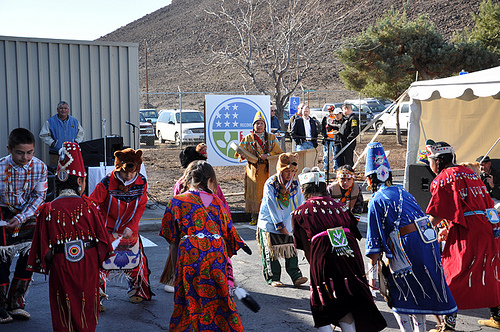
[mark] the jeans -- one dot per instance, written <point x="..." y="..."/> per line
<point x="305" y="146"/>
<point x="334" y="149"/>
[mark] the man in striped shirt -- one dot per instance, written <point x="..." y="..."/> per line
<point x="23" y="185"/>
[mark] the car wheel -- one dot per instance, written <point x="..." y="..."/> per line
<point x="379" y="126"/>
<point x="160" y="137"/>
<point x="177" y="139"/>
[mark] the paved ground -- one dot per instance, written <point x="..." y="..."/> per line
<point x="282" y="309"/>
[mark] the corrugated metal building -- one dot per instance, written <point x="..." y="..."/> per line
<point x="99" y="80"/>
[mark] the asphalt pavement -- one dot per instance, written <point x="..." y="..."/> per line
<point x="282" y="309"/>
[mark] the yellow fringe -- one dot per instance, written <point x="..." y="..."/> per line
<point x="82" y="316"/>
<point x="97" y="302"/>
<point x="62" y="316"/>
<point x="68" y="304"/>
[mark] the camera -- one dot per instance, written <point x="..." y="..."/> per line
<point x="485" y="176"/>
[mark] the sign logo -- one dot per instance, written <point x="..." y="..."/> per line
<point x="294" y="105"/>
<point x="229" y="122"/>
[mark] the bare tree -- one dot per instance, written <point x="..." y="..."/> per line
<point x="274" y="42"/>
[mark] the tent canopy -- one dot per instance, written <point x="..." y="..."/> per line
<point x="463" y="111"/>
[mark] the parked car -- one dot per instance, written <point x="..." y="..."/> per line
<point x="147" y="134"/>
<point x="387" y="123"/>
<point x="168" y="126"/>
<point x="151" y="116"/>
<point x="384" y="101"/>
<point x="374" y="104"/>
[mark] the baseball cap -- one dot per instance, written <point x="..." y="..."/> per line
<point x="485" y="160"/>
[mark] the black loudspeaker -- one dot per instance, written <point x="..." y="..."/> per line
<point x="51" y="181"/>
<point x="93" y="151"/>
<point x="420" y="177"/>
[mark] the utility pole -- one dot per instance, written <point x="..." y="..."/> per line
<point x="146" y="51"/>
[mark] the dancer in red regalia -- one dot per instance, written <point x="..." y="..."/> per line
<point x="71" y="242"/>
<point x="122" y="197"/>
<point x="464" y="212"/>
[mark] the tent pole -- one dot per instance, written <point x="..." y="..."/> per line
<point x="487" y="153"/>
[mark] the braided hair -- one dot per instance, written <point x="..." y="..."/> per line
<point x="197" y="174"/>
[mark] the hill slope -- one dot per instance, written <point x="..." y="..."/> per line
<point x="180" y="37"/>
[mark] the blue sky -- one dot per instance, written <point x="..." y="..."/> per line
<point x="71" y="19"/>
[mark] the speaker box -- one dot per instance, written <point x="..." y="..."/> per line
<point x="420" y="177"/>
<point x="50" y="195"/>
<point x="93" y="151"/>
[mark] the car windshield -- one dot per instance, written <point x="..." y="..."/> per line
<point x="190" y="117"/>
<point x="142" y="118"/>
<point x="149" y="114"/>
<point x="376" y="107"/>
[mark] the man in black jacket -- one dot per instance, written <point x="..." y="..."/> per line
<point x="349" y="130"/>
<point x="305" y="131"/>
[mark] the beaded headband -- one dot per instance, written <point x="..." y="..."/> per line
<point x="433" y="151"/>
<point x="345" y="174"/>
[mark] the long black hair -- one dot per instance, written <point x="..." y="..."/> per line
<point x="70" y="183"/>
<point x="197" y="174"/>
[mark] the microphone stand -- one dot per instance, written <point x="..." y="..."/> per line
<point x="133" y="130"/>
<point x="105" y="150"/>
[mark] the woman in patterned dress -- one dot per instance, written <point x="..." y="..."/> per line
<point x="202" y="238"/>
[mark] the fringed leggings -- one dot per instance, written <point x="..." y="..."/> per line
<point x="411" y="323"/>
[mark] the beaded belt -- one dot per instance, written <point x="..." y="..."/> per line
<point x="201" y="236"/>
<point x="471" y="213"/>
<point x="59" y="248"/>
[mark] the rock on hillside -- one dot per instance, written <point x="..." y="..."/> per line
<point x="180" y="37"/>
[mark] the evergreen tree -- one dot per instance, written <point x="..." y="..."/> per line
<point x="487" y="28"/>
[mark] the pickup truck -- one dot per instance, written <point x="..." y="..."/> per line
<point x="366" y="113"/>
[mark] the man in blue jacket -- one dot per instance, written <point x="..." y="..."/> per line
<point x="60" y="128"/>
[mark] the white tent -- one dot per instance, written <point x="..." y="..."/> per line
<point x="463" y="111"/>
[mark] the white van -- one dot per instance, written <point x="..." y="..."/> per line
<point x="387" y="123"/>
<point x="168" y="126"/>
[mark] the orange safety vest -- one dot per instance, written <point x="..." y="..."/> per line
<point x="330" y="133"/>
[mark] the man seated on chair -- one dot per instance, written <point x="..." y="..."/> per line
<point x="348" y="191"/>
<point x="491" y="179"/>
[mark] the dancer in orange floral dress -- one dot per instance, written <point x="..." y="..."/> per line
<point x="202" y="238"/>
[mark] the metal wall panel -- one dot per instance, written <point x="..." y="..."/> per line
<point x="99" y="80"/>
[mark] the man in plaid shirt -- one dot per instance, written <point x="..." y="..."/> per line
<point x="23" y="185"/>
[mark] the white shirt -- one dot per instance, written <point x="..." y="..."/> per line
<point x="307" y="127"/>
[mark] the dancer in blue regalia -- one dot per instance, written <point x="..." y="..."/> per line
<point x="398" y="227"/>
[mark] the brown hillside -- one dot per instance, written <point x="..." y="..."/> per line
<point x="180" y="37"/>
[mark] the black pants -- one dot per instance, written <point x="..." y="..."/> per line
<point x="348" y="154"/>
